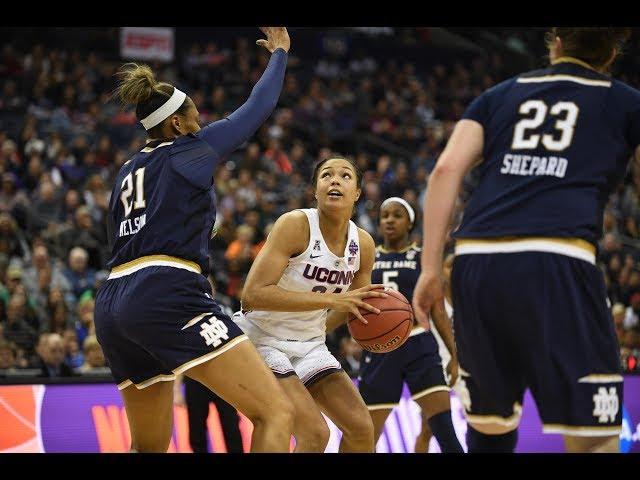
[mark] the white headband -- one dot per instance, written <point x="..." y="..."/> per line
<point x="167" y="108"/>
<point x="404" y="203"/>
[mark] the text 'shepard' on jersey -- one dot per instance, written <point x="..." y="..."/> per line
<point x="557" y="142"/>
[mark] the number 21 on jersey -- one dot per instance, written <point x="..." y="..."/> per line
<point x="128" y="191"/>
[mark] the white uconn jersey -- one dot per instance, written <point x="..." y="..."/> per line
<point x="317" y="269"/>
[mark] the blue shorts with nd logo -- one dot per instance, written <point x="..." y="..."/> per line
<point x="160" y="321"/>
<point x="537" y="320"/>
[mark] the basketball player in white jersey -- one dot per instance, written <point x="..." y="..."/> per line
<point x="313" y="261"/>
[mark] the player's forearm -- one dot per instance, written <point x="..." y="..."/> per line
<point x="269" y="86"/>
<point x="228" y="134"/>
<point x="442" y="191"/>
<point x="443" y="325"/>
<point x="276" y="299"/>
<point x="335" y="319"/>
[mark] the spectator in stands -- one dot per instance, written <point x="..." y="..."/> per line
<point x="41" y="261"/>
<point x="618" y="312"/>
<point x="96" y="198"/>
<point x="73" y="356"/>
<point x="50" y="357"/>
<point x="631" y="319"/>
<point x="17" y="330"/>
<point x="86" y="234"/>
<point x="632" y="339"/>
<point x="93" y="356"/>
<point x="45" y="209"/>
<point x="84" y="324"/>
<point x="12" y="240"/>
<point x="79" y="275"/>
<point x="240" y="255"/>
<point x="57" y="313"/>
<point x="15" y="288"/>
<point x="7" y="355"/>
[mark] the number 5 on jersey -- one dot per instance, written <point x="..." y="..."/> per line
<point x="127" y="191"/>
<point x="386" y="279"/>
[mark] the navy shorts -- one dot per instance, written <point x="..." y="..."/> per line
<point x="417" y="363"/>
<point x="541" y="321"/>
<point x="158" y="322"/>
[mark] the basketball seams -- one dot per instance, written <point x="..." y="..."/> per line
<point x="399" y="324"/>
<point x="364" y="313"/>
<point x="396" y="316"/>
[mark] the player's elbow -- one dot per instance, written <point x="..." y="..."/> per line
<point x="444" y="169"/>
<point x="248" y="298"/>
<point x="253" y="298"/>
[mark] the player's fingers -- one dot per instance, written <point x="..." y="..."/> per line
<point x="371" y="294"/>
<point x="420" y="314"/>
<point x="367" y="306"/>
<point x="366" y="288"/>
<point x="262" y="42"/>
<point x="264" y="30"/>
<point x="368" y="291"/>
<point x="356" y="313"/>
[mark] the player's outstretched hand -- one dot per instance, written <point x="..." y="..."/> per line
<point x="452" y="371"/>
<point x="428" y="293"/>
<point x="352" y="300"/>
<point x="277" y="37"/>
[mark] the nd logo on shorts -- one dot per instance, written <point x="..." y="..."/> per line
<point x="606" y="404"/>
<point x="214" y="331"/>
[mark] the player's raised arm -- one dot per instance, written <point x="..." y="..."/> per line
<point x="361" y="279"/>
<point x="261" y="291"/>
<point x="227" y="134"/>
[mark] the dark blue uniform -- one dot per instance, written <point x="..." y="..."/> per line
<point x="530" y="304"/>
<point x="417" y="362"/>
<point x="155" y="316"/>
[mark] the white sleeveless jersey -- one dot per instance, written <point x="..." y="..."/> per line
<point x="317" y="269"/>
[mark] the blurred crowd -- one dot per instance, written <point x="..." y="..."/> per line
<point x="63" y="139"/>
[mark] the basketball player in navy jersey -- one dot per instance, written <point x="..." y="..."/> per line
<point x="155" y="316"/>
<point x="314" y="260"/>
<point x="530" y="303"/>
<point x="417" y="362"/>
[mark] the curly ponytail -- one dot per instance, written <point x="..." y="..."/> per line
<point x="137" y="83"/>
<point x="138" y="86"/>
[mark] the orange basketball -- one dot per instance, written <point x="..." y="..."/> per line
<point x="387" y="330"/>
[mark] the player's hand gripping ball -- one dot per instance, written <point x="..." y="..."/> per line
<point x="386" y="330"/>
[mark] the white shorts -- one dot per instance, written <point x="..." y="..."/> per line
<point x="310" y="360"/>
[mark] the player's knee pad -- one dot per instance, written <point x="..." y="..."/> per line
<point x="478" y="442"/>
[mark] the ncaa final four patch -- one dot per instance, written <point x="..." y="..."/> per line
<point x="353" y="248"/>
